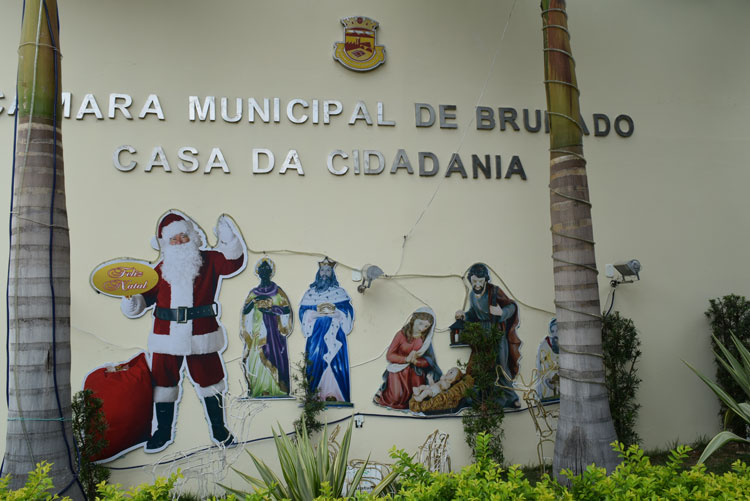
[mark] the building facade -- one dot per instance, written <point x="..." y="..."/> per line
<point x="433" y="159"/>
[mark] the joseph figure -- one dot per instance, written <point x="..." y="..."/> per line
<point x="490" y="306"/>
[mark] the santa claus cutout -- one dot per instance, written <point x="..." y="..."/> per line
<point x="187" y="334"/>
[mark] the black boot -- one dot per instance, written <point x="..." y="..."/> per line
<point x="163" y="433"/>
<point x="215" y="411"/>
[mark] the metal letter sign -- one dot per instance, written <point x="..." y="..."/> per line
<point x="358" y="51"/>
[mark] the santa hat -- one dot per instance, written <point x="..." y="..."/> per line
<point x="173" y="224"/>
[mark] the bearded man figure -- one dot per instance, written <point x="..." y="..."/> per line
<point x="186" y="330"/>
<point x="491" y="307"/>
<point x="327" y="315"/>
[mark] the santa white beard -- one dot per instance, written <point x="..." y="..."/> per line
<point x="180" y="265"/>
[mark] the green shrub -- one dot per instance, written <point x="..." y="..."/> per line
<point x="621" y="349"/>
<point x="485" y="414"/>
<point x="482" y="480"/>
<point x="89" y="425"/>
<point x="309" y="398"/>
<point x="729" y="315"/>
<point x="37" y="486"/>
<point x="160" y="490"/>
<point x="635" y="478"/>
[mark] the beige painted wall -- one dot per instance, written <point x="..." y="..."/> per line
<point x="672" y="195"/>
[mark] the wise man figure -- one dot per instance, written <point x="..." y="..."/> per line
<point x="489" y="306"/>
<point x="327" y="316"/>
<point x="548" y="364"/>
<point x="186" y="331"/>
<point x="267" y="320"/>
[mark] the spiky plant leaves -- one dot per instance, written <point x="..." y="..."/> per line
<point x="720" y="440"/>
<point x="740" y="372"/>
<point x="306" y="468"/>
<point x="729" y="316"/>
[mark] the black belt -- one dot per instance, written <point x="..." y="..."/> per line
<point x="182" y="314"/>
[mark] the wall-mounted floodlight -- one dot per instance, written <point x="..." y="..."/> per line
<point x="630" y="268"/>
<point x="626" y="269"/>
<point x="369" y="273"/>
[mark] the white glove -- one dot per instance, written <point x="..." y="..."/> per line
<point x="230" y="240"/>
<point x="133" y="306"/>
<point x="224" y="231"/>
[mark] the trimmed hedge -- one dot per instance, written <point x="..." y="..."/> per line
<point x="635" y="478"/>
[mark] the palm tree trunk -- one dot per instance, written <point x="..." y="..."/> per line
<point x="585" y="429"/>
<point x="39" y="425"/>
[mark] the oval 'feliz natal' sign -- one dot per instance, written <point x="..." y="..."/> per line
<point x="120" y="277"/>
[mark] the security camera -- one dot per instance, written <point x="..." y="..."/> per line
<point x="629" y="268"/>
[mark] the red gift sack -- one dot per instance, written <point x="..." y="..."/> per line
<point x="127" y="403"/>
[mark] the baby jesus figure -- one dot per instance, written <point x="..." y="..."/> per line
<point x="425" y="391"/>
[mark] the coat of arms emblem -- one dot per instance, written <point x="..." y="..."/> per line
<point x="358" y="51"/>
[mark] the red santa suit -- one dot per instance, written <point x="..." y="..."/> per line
<point x="198" y="339"/>
<point x="185" y="317"/>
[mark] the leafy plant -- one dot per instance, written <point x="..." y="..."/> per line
<point x="308" y="471"/>
<point x="312" y="405"/>
<point x="621" y="350"/>
<point x="160" y="490"/>
<point x="89" y="425"/>
<point x="485" y="414"/>
<point x="739" y="370"/>
<point x="37" y="487"/>
<point x="729" y="315"/>
<point x="484" y="479"/>
<point x="637" y="478"/>
<point x="634" y="478"/>
<point x="408" y="471"/>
